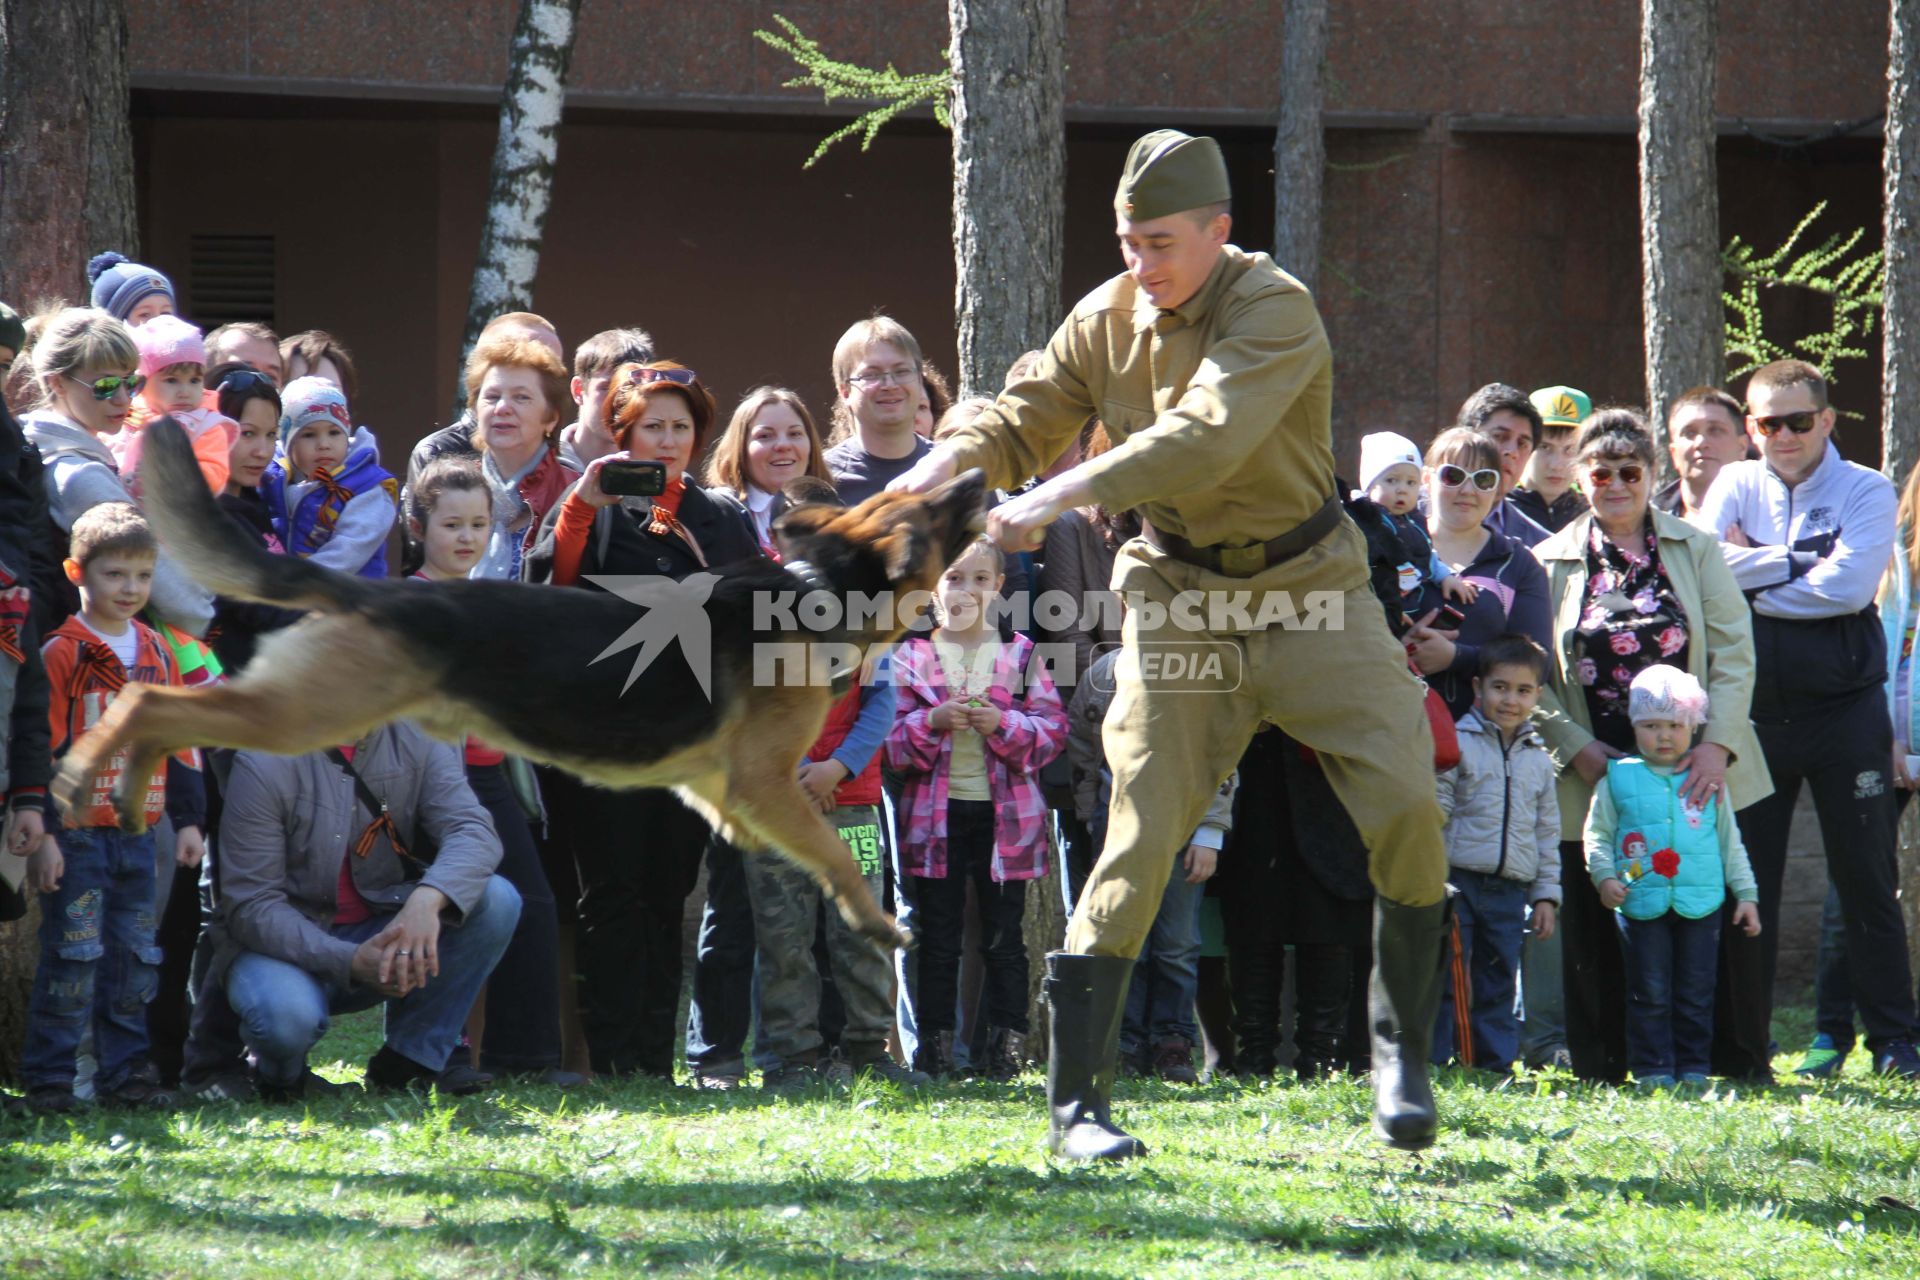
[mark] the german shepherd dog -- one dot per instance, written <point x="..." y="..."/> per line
<point x="519" y="666"/>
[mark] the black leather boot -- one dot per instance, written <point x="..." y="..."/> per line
<point x="1086" y="995"/>
<point x="1322" y="979"/>
<point x="935" y="1055"/>
<point x="1405" y="997"/>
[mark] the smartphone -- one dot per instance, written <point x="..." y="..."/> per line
<point x="631" y="478"/>
<point x="1449" y="618"/>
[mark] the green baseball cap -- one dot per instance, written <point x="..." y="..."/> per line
<point x="1170" y="172"/>
<point x="13" y="333"/>
<point x="1562" y="406"/>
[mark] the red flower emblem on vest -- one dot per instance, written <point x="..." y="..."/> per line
<point x="1666" y="863"/>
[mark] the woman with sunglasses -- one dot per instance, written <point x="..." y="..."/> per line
<point x="1463" y="483"/>
<point x="631" y="901"/>
<point x="86" y="373"/>
<point x="1631" y="587"/>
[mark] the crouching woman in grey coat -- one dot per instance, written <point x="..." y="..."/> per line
<point x="353" y="877"/>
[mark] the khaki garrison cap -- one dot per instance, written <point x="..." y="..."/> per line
<point x="1170" y="172"/>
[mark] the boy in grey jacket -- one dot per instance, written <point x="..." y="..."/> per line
<point x="1503" y="847"/>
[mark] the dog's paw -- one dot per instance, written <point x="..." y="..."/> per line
<point x="70" y="786"/>
<point x="887" y="934"/>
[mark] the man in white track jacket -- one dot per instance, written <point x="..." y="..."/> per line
<point x="1808" y="535"/>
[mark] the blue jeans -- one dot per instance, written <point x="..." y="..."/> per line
<point x="99" y="963"/>
<point x="1492" y="914"/>
<point x="1166" y="975"/>
<point x="283" y="1009"/>
<point x="1671" y="965"/>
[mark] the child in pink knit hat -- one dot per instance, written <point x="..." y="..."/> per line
<point x="173" y="361"/>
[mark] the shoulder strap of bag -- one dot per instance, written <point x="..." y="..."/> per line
<point x="382" y="823"/>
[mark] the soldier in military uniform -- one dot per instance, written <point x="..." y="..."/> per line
<point x="1212" y="373"/>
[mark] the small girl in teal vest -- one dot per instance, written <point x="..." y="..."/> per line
<point x="1666" y="866"/>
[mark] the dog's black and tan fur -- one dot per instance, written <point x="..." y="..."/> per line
<point x="515" y="665"/>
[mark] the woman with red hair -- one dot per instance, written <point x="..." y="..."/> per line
<point x="631" y="898"/>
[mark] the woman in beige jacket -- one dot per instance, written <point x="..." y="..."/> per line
<point x="1632" y="586"/>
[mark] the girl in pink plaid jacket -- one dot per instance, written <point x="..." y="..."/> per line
<point x="972" y="727"/>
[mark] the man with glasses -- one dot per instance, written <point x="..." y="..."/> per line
<point x="1705" y="431"/>
<point x="1212" y="373"/>
<point x="1808" y="536"/>
<point x="876" y="370"/>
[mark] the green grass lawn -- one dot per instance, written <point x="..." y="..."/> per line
<point x="1534" y="1176"/>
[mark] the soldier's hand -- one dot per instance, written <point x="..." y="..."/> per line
<point x="1020" y="523"/>
<point x="927" y="474"/>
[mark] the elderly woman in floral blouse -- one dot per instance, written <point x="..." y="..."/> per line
<point x="1631" y="587"/>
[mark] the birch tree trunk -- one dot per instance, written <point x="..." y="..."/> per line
<point x="1900" y="379"/>
<point x="1684" y="318"/>
<point x="66" y="147"/>
<point x="521" y="187"/>
<point x="1300" y="146"/>
<point x="1009" y="175"/>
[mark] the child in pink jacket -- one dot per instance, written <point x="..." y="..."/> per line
<point x="972" y="727"/>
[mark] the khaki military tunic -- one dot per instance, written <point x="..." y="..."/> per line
<point x="1220" y="414"/>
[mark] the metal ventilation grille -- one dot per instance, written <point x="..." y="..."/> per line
<point x="232" y="279"/>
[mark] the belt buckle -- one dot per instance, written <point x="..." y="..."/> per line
<point x="1243" y="562"/>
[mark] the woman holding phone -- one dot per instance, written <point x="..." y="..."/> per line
<point x="631" y="899"/>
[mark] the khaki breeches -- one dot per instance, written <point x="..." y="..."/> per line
<point x="1343" y="690"/>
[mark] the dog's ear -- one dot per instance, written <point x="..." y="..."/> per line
<point x="906" y="547"/>
<point x="798" y="522"/>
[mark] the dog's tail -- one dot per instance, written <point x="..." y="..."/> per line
<point x="215" y="550"/>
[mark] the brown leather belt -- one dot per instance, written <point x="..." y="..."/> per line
<point x="1244" y="562"/>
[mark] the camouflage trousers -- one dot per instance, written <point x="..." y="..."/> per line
<point x="786" y="909"/>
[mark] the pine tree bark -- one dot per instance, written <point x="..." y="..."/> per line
<point x="1008" y="113"/>
<point x="66" y="147"/>
<point x="1300" y="146"/>
<point x="1900" y="379"/>
<point x="521" y="187"/>
<point x="1684" y="318"/>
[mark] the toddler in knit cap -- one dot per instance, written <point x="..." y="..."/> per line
<point x="173" y="364"/>
<point x="1390" y="480"/>
<point x="326" y="493"/>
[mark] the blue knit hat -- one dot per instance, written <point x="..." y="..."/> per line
<point x="120" y="284"/>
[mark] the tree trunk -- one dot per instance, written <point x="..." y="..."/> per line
<point x="66" y="193"/>
<point x="1900" y="380"/>
<point x="66" y="147"/>
<point x="1300" y="147"/>
<point x="1684" y="318"/>
<point x="521" y="186"/>
<point x="1009" y="176"/>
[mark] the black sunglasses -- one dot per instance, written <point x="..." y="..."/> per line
<point x="244" y="380"/>
<point x="1798" y="423"/>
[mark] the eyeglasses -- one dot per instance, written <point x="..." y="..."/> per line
<point x="884" y="378"/>
<point x="1600" y="477"/>
<point x="679" y="377"/>
<point x="108" y="388"/>
<point x="244" y="380"/>
<point x="1798" y="423"/>
<point x="1456" y="477"/>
